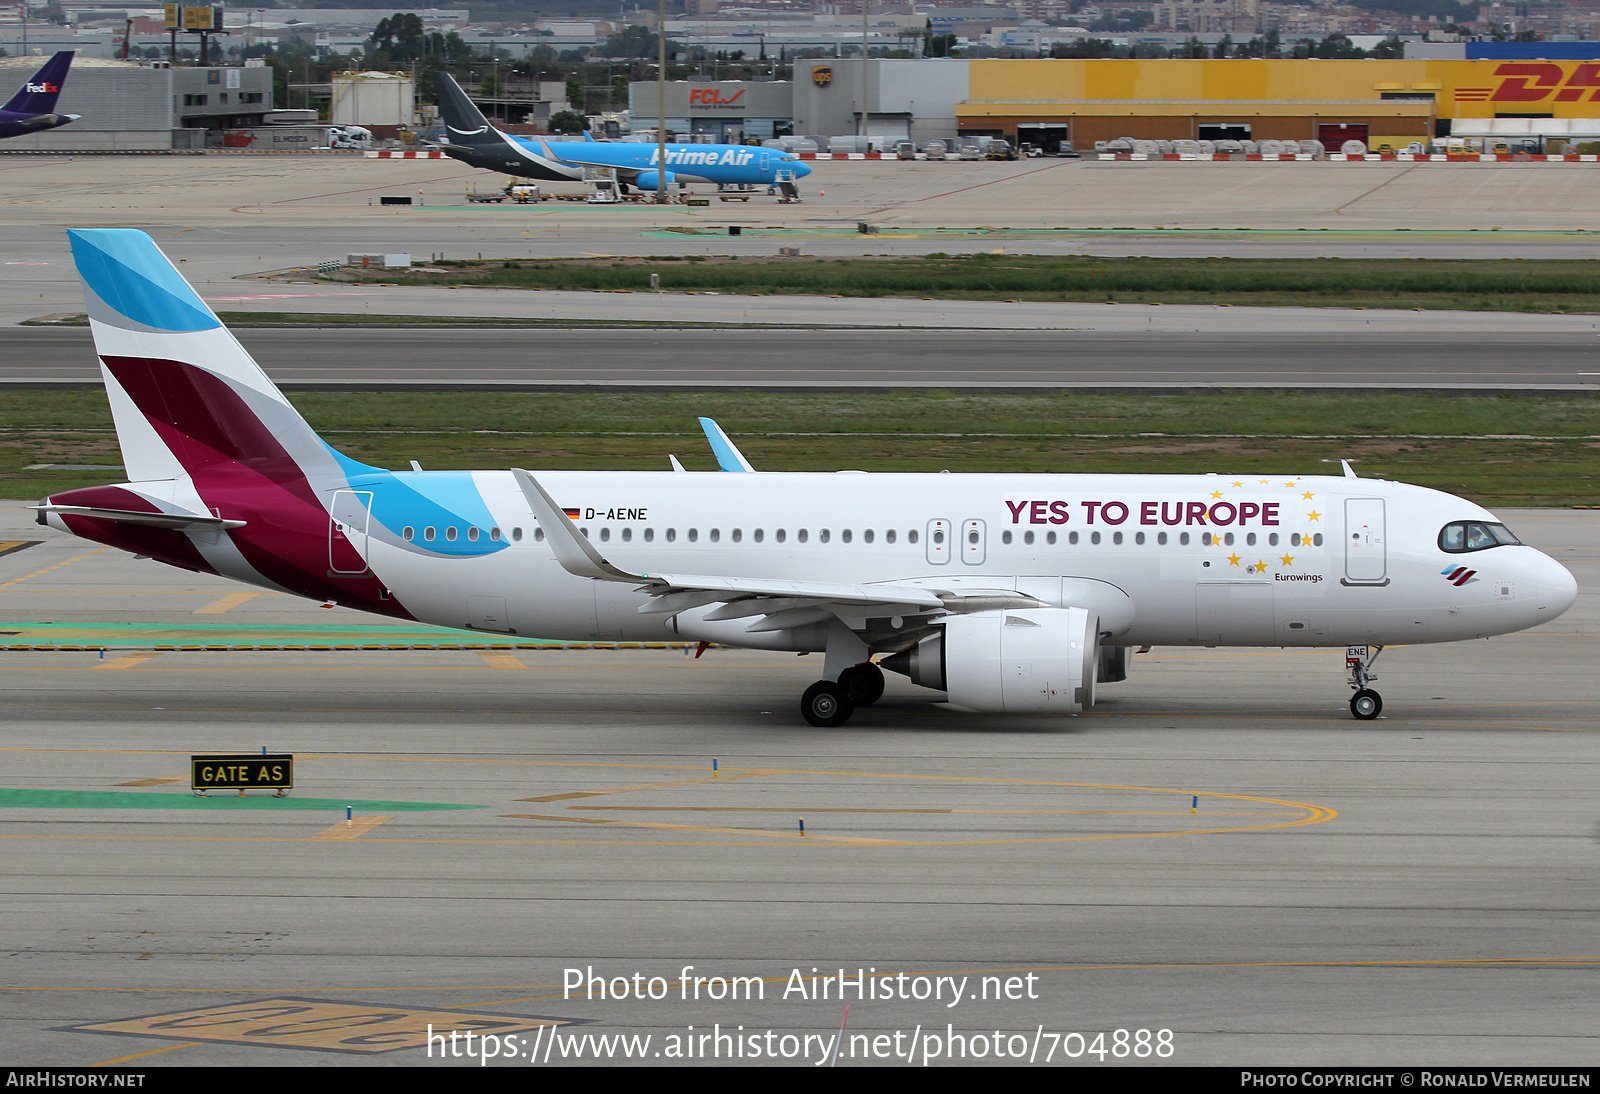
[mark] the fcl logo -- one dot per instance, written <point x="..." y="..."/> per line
<point x="1529" y="83"/>
<point x="822" y="75"/>
<point x="711" y="96"/>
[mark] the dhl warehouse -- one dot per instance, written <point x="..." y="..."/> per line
<point x="1384" y="103"/>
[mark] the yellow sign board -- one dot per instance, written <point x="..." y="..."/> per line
<point x="183" y="17"/>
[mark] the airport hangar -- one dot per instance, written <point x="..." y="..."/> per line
<point x="1384" y="103"/>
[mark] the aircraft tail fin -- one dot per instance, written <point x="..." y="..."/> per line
<point x="185" y="396"/>
<point x="39" y="94"/>
<point x="461" y="117"/>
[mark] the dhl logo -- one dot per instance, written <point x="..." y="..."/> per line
<point x="1534" y="81"/>
<point x="711" y="96"/>
<point x="42" y="89"/>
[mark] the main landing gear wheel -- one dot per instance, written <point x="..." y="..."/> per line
<point x="826" y="704"/>
<point x="1366" y="704"/>
<point x="864" y="683"/>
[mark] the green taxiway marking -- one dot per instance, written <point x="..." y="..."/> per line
<point x="132" y="799"/>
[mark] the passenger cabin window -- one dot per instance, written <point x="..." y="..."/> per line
<point x="1459" y="537"/>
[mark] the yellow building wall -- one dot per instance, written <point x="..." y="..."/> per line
<point x="1461" y="89"/>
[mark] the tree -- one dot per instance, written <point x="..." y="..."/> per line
<point x="568" y="122"/>
<point x="401" y="36"/>
<point x="634" y="41"/>
<point x="1390" y="49"/>
<point x="942" y="45"/>
<point x="1225" y="46"/>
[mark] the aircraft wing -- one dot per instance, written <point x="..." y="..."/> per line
<point x="679" y="592"/>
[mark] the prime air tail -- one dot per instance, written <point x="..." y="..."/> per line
<point x="464" y="120"/>
<point x="186" y="397"/>
<point x="39" y="94"/>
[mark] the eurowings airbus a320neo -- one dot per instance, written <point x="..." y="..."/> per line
<point x="1005" y="593"/>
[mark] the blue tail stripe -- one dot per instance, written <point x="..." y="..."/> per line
<point x="123" y="267"/>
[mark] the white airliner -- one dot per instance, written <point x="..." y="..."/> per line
<point x="1006" y="593"/>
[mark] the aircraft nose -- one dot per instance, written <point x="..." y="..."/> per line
<point x="801" y="169"/>
<point x="1558" y="589"/>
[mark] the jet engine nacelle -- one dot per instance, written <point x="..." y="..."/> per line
<point x="1013" y="661"/>
<point x="647" y="179"/>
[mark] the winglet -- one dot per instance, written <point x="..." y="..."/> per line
<point x="676" y="466"/>
<point x="1349" y="472"/>
<point x="729" y="458"/>
<point x="575" y="553"/>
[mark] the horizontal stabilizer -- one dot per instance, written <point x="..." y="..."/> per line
<point x="180" y="521"/>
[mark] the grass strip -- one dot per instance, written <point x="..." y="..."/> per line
<point x="1537" y="285"/>
<point x="1497" y="449"/>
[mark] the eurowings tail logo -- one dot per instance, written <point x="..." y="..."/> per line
<point x="1459" y="575"/>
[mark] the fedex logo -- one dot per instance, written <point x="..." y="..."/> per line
<point x="44" y="88"/>
<point x="1531" y="82"/>
<point x="711" y="96"/>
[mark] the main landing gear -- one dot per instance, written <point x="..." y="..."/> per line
<point x="826" y="703"/>
<point x="1365" y="704"/>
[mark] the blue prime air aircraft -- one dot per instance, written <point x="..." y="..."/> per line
<point x="33" y="109"/>
<point x="472" y="140"/>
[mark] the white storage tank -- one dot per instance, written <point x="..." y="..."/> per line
<point x="374" y="100"/>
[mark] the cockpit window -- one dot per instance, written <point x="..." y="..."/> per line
<point x="1461" y="536"/>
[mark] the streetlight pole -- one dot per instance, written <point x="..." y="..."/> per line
<point x="861" y="119"/>
<point x="661" y="106"/>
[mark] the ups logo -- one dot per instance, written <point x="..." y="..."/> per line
<point x="822" y="75"/>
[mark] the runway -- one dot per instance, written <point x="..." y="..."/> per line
<point x="408" y="358"/>
<point x="1216" y="850"/>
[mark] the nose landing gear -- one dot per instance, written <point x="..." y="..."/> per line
<point x="1365" y="704"/>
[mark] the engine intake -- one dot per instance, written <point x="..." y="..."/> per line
<point x="1015" y="661"/>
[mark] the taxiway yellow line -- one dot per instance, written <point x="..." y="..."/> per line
<point x="499" y="659"/>
<point x="50" y="569"/>
<point x="721" y="777"/>
<point x="140" y="1055"/>
<point x="129" y="660"/>
<point x="227" y="603"/>
<point x="351" y="829"/>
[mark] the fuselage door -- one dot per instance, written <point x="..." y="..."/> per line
<point x="938" y="542"/>
<point x="347" y="531"/>
<point x="972" y="542"/>
<point x="1366" y="559"/>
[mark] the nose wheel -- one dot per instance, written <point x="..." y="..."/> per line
<point x="1365" y="704"/>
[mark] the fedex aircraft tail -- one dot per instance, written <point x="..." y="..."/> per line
<point x="39" y="94"/>
<point x="186" y="397"/>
